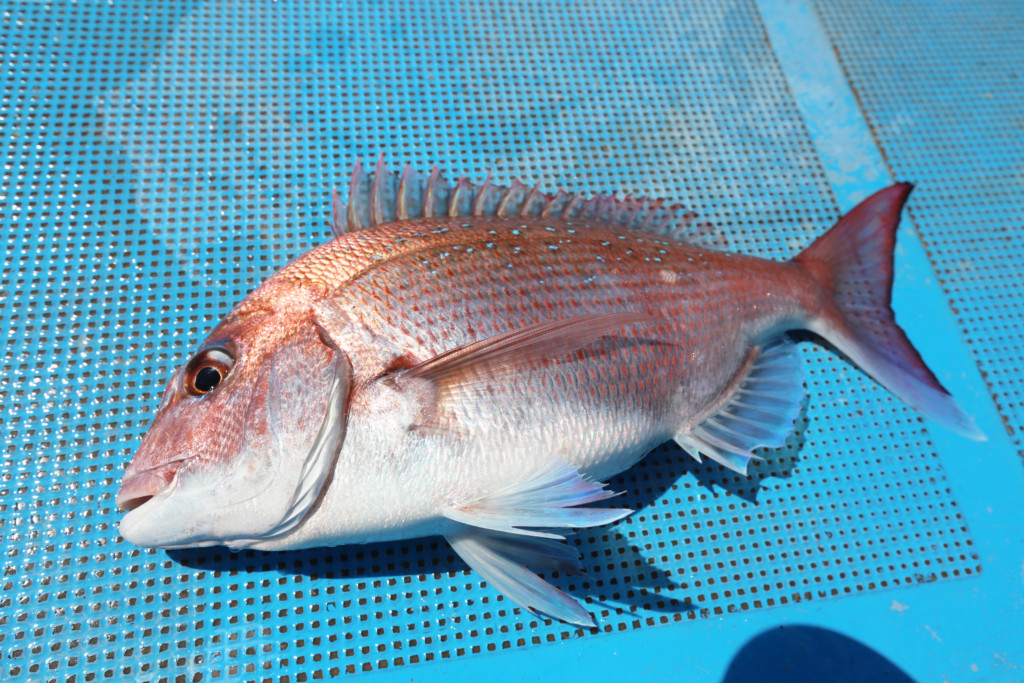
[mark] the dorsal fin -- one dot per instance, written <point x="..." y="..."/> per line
<point x="383" y="196"/>
<point x="409" y="203"/>
<point x="435" y="193"/>
<point x="463" y="198"/>
<point x="339" y="224"/>
<point x="359" y="189"/>
<point x="512" y="199"/>
<point x="487" y="199"/>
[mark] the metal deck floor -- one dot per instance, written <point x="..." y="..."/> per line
<point x="161" y="161"/>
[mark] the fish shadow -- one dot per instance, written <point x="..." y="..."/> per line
<point x="619" y="574"/>
<point x="624" y="575"/>
<point x="369" y="561"/>
<point x="620" y="577"/>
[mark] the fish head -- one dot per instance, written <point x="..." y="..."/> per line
<point x="244" y="440"/>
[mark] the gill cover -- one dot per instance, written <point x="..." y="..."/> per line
<point x="293" y="425"/>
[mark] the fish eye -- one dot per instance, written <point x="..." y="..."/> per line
<point x="207" y="370"/>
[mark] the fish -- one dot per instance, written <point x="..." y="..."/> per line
<point x="475" y="361"/>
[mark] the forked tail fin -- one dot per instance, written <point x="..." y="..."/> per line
<point x="853" y="262"/>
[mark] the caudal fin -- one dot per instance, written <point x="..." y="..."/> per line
<point x="854" y="263"/>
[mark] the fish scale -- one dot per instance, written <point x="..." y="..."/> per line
<point x="518" y="281"/>
<point x="477" y="375"/>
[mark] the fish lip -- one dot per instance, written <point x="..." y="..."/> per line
<point x="139" y="488"/>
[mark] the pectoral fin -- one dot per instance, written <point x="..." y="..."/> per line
<point x="523" y="525"/>
<point x="462" y="374"/>
<point x="495" y="356"/>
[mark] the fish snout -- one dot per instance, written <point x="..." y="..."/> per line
<point x="138" y="487"/>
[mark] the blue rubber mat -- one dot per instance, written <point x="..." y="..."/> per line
<point x="160" y="163"/>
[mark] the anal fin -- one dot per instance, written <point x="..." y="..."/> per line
<point x="522" y="525"/>
<point x="760" y="411"/>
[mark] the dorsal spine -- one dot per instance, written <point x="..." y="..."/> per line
<point x="384" y="197"/>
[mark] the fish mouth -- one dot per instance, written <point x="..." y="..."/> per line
<point x="138" y="489"/>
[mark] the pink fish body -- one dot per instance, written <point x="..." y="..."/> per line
<point x="477" y="375"/>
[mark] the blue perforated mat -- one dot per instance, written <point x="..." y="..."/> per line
<point x="964" y="144"/>
<point x="160" y="163"/>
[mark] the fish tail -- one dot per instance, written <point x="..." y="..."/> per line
<point x="853" y="263"/>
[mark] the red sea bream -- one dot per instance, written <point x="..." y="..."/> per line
<point x="474" y="361"/>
